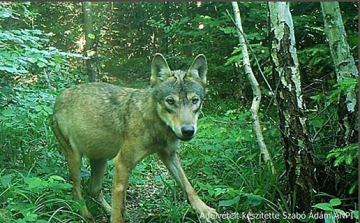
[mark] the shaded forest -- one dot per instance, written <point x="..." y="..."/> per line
<point x="303" y="68"/>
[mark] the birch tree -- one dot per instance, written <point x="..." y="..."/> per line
<point x="298" y="154"/>
<point x="266" y="156"/>
<point x="344" y="64"/>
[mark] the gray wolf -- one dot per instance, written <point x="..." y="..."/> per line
<point x="101" y="121"/>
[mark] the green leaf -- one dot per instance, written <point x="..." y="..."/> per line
<point x="228" y="30"/>
<point x="8" y="112"/>
<point x="316" y="97"/>
<point x="49" y="110"/>
<point x="57" y="178"/>
<point x="205" y="17"/>
<point x="58" y="59"/>
<point x="226" y="203"/>
<point x="207" y="170"/>
<point x="57" y="186"/>
<point x="339" y="160"/>
<point x="354" y="40"/>
<point x="318" y="122"/>
<point x="348" y="159"/>
<point x="5" y="180"/>
<point x="30" y="217"/>
<point x="340" y="211"/>
<point x="34" y="182"/>
<point x="253" y="200"/>
<point x="32" y="60"/>
<point x="38" y="108"/>
<point x="91" y="36"/>
<point x="219" y="191"/>
<point x="356" y="214"/>
<point x="335" y="202"/>
<point x="41" y="64"/>
<point x="323" y="206"/>
<point x="353" y="188"/>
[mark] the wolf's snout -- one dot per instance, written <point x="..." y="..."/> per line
<point x="188" y="131"/>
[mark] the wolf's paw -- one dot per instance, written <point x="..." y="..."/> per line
<point x="208" y="214"/>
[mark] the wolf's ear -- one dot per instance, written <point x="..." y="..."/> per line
<point x="160" y="70"/>
<point x="198" y="69"/>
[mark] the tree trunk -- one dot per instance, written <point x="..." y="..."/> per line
<point x="166" y="11"/>
<point x="345" y="68"/>
<point x="89" y="41"/>
<point x="298" y="153"/>
<point x="255" y="88"/>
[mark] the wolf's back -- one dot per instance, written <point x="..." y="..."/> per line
<point x="95" y="115"/>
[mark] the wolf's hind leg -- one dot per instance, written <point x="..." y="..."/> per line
<point x="98" y="169"/>
<point x="74" y="162"/>
<point x="73" y="158"/>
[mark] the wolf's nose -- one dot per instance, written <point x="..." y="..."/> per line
<point x="188" y="131"/>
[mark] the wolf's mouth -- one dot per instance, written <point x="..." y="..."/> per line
<point x="186" y="138"/>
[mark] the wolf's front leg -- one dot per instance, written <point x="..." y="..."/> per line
<point x="120" y="182"/>
<point x="130" y="154"/>
<point x="172" y="162"/>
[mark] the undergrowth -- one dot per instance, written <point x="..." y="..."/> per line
<point x="222" y="163"/>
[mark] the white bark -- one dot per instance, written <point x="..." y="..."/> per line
<point x="298" y="155"/>
<point x="339" y="48"/>
<point x="279" y="23"/>
<point x="255" y="88"/>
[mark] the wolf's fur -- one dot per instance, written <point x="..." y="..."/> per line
<point x="103" y="121"/>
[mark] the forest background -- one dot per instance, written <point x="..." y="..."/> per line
<point x="46" y="47"/>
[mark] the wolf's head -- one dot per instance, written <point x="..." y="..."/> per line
<point x="179" y="95"/>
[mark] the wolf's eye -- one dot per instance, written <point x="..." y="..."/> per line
<point x="170" y="101"/>
<point x="195" y="101"/>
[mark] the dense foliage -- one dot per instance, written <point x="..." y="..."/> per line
<point x="41" y="54"/>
